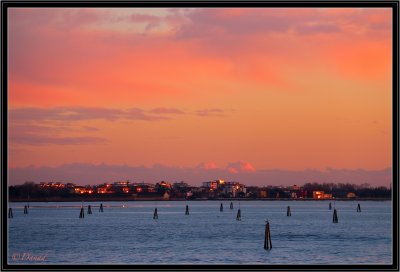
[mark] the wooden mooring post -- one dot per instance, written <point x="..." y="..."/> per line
<point x="335" y="217"/>
<point x="187" y="210"/>
<point x="358" y="208"/>
<point x="25" y="209"/>
<point x="288" y="212"/>
<point x="155" y="216"/>
<point x="231" y="207"/>
<point x="221" y="208"/>
<point x="10" y="213"/>
<point x="330" y="206"/>
<point x="267" y="238"/>
<point x="89" y="209"/>
<point x="101" y="207"/>
<point x="82" y="213"/>
<point x="239" y="215"/>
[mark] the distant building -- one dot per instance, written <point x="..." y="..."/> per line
<point x="233" y="189"/>
<point x="321" y="195"/>
<point x="263" y="194"/>
<point x="318" y="194"/>
<point x="102" y="190"/>
<point x="142" y="188"/>
<point x="351" y="195"/>
<point x="222" y="188"/>
<point x="106" y="188"/>
<point x="80" y="189"/>
<point x="327" y="196"/>
<point x="212" y="185"/>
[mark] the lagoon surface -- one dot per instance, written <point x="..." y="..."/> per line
<point x="126" y="233"/>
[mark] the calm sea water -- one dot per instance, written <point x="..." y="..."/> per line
<point x="125" y="233"/>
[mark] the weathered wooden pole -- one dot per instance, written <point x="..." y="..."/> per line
<point x="288" y="212"/>
<point x="231" y="207"/>
<point x="267" y="237"/>
<point x="25" y="209"/>
<point x="221" y="208"/>
<point x="330" y="206"/>
<point x="335" y="217"/>
<point x="82" y="213"/>
<point x="358" y="208"/>
<point x="239" y="216"/>
<point x="155" y="216"/>
<point x="89" y="209"/>
<point x="10" y="213"/>
<point x="187" y="210"/>
<point x="101" y="207"/>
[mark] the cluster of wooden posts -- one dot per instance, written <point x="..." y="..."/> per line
<point x="89" y="211"/>
<point x="267" y="238"/>
<point x="82" y="212"/>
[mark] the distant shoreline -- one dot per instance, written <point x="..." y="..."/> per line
<point x="97" y="199"/>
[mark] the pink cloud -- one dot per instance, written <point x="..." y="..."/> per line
<point x="247" y="167"/>
<point x="241" y="166"/>
<point x="210" y="165"/>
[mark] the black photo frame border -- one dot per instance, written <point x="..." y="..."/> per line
<point x="394" y="5"/>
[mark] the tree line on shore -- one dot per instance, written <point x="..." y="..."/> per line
<point x="339" y="190"/>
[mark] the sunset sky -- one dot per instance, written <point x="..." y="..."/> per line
<point x="200" y="94"/>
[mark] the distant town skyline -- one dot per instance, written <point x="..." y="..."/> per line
<point x="83" y="174"/>
<point x="274" y="96"/>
